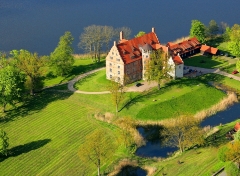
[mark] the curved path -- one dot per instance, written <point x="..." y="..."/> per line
<point x="144" y="85"/>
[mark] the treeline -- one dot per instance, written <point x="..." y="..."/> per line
<point x="22" y="71"/>
<point x="95" y="39"/>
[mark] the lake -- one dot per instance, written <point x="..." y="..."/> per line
<point x="37" y="25"/>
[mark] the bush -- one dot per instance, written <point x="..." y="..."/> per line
<point x="222" y="153"/>
<point x="232" y="169"/>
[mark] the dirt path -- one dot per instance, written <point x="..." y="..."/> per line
<point x="144" y="85"/>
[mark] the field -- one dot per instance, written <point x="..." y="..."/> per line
<point x="205" y="61"/>
<point x="46" y="135"/>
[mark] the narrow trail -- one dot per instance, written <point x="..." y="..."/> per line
<point x="144" y="85"/>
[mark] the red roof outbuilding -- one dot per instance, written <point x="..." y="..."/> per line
<point x="237" y="126"/>
<point x="209" y="49"/>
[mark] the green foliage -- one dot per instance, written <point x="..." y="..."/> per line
<point x="3" y="142"/>
<point x="61" y="58"/>
<point x="139" y="34"/>
<point x="157" y="67"/>
<point x="31" y="65"/>
<point x="11" y="83"/>
<point x="232" y="169"/>
<point x="226" y="34"/>
<point x="198" y="30"/>
<point x="212" y="28"/>
<point x="234" y="44"/>
<point x="237" y="136"/>
<point x="238" y="65"/>
<point x="222" y="153"/>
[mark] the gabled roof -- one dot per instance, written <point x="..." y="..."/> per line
<point x="237" y="126"/>
<point x="129" y="49"/>
<point x="209" y="49"/>
<point x="177" y="60"/>
<point x="183" y="46"/>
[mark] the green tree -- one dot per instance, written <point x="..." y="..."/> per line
<point x="157" y="67"/>
<point x="232" y="169"/>
<point x="32" y="66"/>
<point x="212" y="28"/>
<point x="198" y="30"/>
<point x="238" y="65"/>
<point x="62" y="57"/>
<point x="234" y="44"/>
<point x="184" y="132"/>
<point x="226" y="35"/>
<point x="3" y="142"/>
<point x="237" y="136"/>
<point x="11" y="83"/>
<point x="139" y="34"/>
<point x="117" y="93"/>
<point x="96" y="148"/>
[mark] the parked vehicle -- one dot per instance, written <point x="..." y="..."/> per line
<point x="235" y="72"/>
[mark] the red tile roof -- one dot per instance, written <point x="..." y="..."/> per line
<point x="209" y="49"/>
<point x="183" y="46"/>
<point x="177" y="60"/>
<point x="129" y="49"/>
<point x="237" y="126"/>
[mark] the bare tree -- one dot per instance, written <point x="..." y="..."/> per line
<point x="108" y="34"/>
<point x="223" y="26"/>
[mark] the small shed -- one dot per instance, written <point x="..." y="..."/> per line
<point x="237" y="126"/>
<point x="208" y="50"/>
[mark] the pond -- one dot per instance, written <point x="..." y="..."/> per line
<point x="154" y="147"/>
<point x="132" y="171"/>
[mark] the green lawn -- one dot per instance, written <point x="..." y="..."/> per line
<point x="205" y="61"/>
<point x="80" y="66"/>
<point x="95" y="82"/>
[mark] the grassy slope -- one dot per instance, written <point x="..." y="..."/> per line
<point x="48" y="136"/>
<point x="94" y="82"/>
<point x="209" y="62"/>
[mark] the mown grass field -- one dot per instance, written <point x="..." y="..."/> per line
<point x="46" y="134"/>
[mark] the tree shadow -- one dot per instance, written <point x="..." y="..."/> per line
<point x="34" y="104"/>
<point x="25" y="148"/>
<point x="215" y="42"/>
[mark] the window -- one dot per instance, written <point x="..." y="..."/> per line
<point x="112" y="53"/>
<point x="110" y="70"/>
<point x="146" y="56"/>
<point x="119" y="66"/>
<point x="118" y="59"/>
<point x="111" y="57"/>
<point x="179" y="66"/>
<point x="119" y="72"/>
<point x="118" y="78"/>
<point x="110" y="76"/>
<point x="110" y="64"/>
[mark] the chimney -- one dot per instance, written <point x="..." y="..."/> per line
<point x="114" y="43"/>
<point x="153" y="29"/>
<point x="121" y="35"/>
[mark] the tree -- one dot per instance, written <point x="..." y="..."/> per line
<point x="3" y="142"/>
<point x="61" y="58"/>
<point x="157" y="67"/>
<point x="117" y="93"/>
<point x="139" y="34"/>
<point x="126" y="31"/>
<point x="96" y="148"/>
<point x="233" y="152"/>
<point x="237" y="136"/>
<point x="234" y="44"/>
<point x="232" y="169"/>
<point x="198" y="30"/>
<point x="108" y="34"/>
<point x="226" y="35"/>
<point x="184" y="132"/>
<point x="212" y="28"/>
<point x="238" y="65"/>
<point x="31" y="65"/>
<point x="11" y="83"/>
<point x="222" y="27"/>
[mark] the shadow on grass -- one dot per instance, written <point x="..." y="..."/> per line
<point x="25" y="148"/>
<point x="33" y="104"/>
